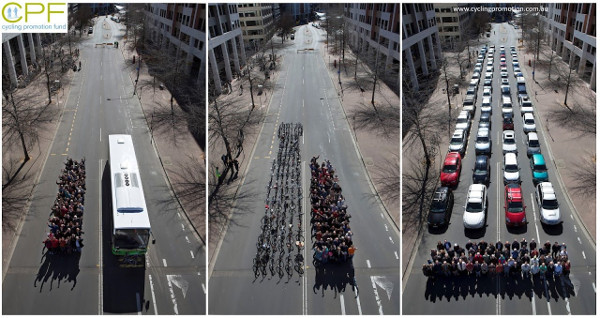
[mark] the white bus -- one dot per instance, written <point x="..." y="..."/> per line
<point x="130" y="222"/>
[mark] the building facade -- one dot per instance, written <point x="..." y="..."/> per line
<point x="570" y="29"/>
<point x="257" y="22"/>
<point x="421" y="46"/>
<point x="226" y="53"/>
<point x="301" y="12"/>
<point x="374" y="31"/>
<point x="452" y="24"/>
<point x="180" y="28"/>
<point x="20" y="55"/>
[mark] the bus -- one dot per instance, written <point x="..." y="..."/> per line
<point x="130" y="222"/>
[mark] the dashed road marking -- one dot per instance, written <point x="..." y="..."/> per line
<point x="391" y="239"/>
<point x="376" y="295"/>
<point x="342" y="304"/>
<point x="396" y="254"/>
<point x="583" y="253"/>
<point x="187" y="239"/>
<point x="575" y="228"/>
<point x="153" y="295"/>
<point x="579" y="240"/>
<point x="203" y="288"/>
<point x="165" y="262"/>
<point x="368" y="264"/>
<point x="192" y="253"/>
<point x="594" y="287"/>
<point x="357" y="301"/>
<point x="182" y="227"/>
<point x="386" y="228"/>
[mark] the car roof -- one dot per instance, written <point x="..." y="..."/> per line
<point x="513" y="192"/>
<point x="528" y="116"/>
<point x="509" y="134"/>
<point x="457" y="133"/>
<point x="538" y="158"/>
<point x="441" y="193"/>
<point x="476" y="192"/>
<point x="547" y="191"/>
<point x="532" y="135"/>
<point x="481" y="160"/>
<point x="483" y="131"/>
<point x="510" y="157"/>
<point x="452" y="158"/>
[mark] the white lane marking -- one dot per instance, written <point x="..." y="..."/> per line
<point x="575" y="228"/>
<point x="396" y="254"/>
<point x="568" y="306"/>
<point x="537" y="231"/>
<point x="357" y="300"/>
<point x="391" y="239"/>
<point x="173" y="296"/>
<point x="192" y="254"/>
<point x="549" y="310"/>
<point x="594" y="287"/>
<point x="100" y="283"/>
<point x="533" y="302"/>
<point x="376" y="295"/>
<point x="153" y="295"/>
<point x="583" y="253"/>
<point x="187" y="239"/>
<point x="386" y="228"/>
<point x="100" y="136"/>
<point x="368" y="264"/>
<point x="381" y="214"/>
<point x="342" y="304"/>
<point x="139" y="303"/>
<point x="178" y="215"/>
<point x="182" y="227"/>
<point x="571" y="215"/>
<point x="578" y="239"/>
<point x="203" y="287"/>
<point x="165" y="262"/>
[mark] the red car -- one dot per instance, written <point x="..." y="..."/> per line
<point x="451" y="170"/>
<point x="514" y="210"/>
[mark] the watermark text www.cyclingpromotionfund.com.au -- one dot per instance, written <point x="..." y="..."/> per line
<point x="508" y="8"/>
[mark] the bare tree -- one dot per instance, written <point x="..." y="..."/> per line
<point x="21" y="120"/>
<point x="83" y="18"/>
<point x="16" y="190"/>
<point x="134" y="21"/>
<point x="585" y="174"/>
<point x="580" y="117"/>
<point x="388" y="175"/>
<point x="285" y="25"/>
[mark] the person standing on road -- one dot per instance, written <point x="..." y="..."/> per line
<point x="543" y="270"/>
<point x="555" y="249"/>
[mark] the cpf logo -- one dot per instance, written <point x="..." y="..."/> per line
<point x="11" y="12"/>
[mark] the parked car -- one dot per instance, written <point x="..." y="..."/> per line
<point x="528" y="123"/>
<point x="481" y="171"/>
<point x="547" y="203"/>
<point x="507" y="122"/>
<point x="475" y="207"/>
<point x="526" y="104"/>
<point x="450" y="174"/>
<point x="464" y="121"/>
<point x="514" y="209"/>
<point x="486" y="105"/>
<point x="533" y="144"/>
<point x="440" y="209"/>
<point x="511" y="169"/>
<point x="539" y="172"/>
<point x="483" y="144"/>
<point x="458" y="142"/>
<point x="509" y="143"/>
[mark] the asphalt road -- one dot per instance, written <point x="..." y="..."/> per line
<point x="575" y="295"/>
<point x="101" y="103"/>
<point x="306" y="94"/>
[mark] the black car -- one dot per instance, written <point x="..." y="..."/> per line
<point x="481" y="172"/>
<point x="441" y="207"/>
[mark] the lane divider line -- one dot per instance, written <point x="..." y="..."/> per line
<point x="153" y="295"/>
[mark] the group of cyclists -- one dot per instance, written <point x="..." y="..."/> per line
<point x="523" y="259"/>
<point x="66" y="218"/>
<point x="330" y="219"/>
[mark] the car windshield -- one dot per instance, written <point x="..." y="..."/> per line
<point x="534" y="143"/>
<point x="437" y="206"/>
<point x="456" y="140"/>
<point x="550" y="204"/>
<point x="509" y="141"/>
<point x="515" y="206"/>
<point x="511" y="168"/>
<point x="529" y="121"/>
<point x="449" y="168"/>
<point x="474" y="207"/>
<point x="483" y="139"/>
<point x="539" y="167"/>
<point x="479" y="171"/>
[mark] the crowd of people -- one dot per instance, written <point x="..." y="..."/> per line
<point x="330" y="220"/>
<point x="66" y="218"/>
<point x="522" y="259"/>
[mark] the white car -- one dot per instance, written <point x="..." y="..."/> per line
<point x="486" y="105"/>
<point x="458" y="142"/>
<point x="502" y="60"/>
<point x="547" y="203"/>
<point x="526" y="104"/>
<point x="504" y="75"/>
<point x="504" y="81"/>
<point x="482" y="142"/>
<point x="464" y="120"/>
<point x="489" y="69"/>
<point x="487" y="92"/>
<point x="505" y="89"/>
<point x="490" y="64"/>
<point x="517" y="70"/>
<point x="511" y="169"/>
<point x="528" y="123"/>
<point x="476" y="75"/>
<point x="475" y="207"/>
<point x="515" y="59"/>
<point x="509" y="143"/>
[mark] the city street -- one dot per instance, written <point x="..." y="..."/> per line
<point x="574" y="294"/>
<point x="100" y="103"/>
<point x="305" y="93"/>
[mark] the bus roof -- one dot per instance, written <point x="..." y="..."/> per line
<point x="128" y="202"/>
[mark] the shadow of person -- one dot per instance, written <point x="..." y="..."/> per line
<point x="58" y="267"/>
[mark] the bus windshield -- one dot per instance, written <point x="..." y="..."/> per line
<point x="131" y="238"/>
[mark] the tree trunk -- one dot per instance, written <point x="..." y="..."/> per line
<point x="375" y="81"/>
<point x="19" y="129"/>
<point x="425" y="177"/>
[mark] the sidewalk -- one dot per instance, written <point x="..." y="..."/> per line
<point x="379" y="155"/>
<point x="180" y="155"/>
<point x="16" y="198"/>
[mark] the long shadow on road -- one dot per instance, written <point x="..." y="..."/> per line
<point x="123" y="288"/>
<point x="334" y="276"/>
<point x="57" y="268"/>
